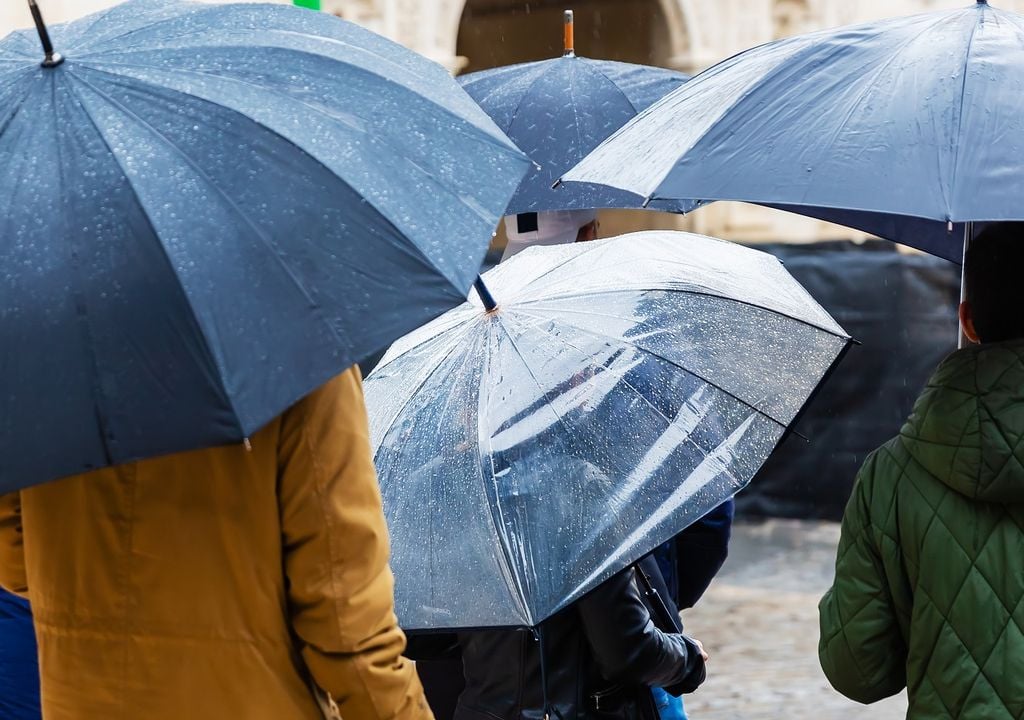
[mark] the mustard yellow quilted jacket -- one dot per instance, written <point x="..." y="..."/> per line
<point x="218" y="584"/>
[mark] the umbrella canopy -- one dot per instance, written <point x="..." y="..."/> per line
<point x="619" y="391"/>
<point x="901" y="128"/>
<point x="210" y="210"/>
<point x="559" y="110"/>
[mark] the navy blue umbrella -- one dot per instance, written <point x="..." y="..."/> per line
<point x="906" y="128"/>
<point x="559" y="110"/>
<point x="209" y="210"/>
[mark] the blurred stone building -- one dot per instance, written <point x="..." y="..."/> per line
<point x="688" y="35"/>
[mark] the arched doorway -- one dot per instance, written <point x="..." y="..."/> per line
<point x="493" y="33"/>
<point x="503" y="32"/>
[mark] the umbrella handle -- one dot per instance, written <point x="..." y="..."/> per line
<point x="569" y="35"/>
<point x="52" y="59"/>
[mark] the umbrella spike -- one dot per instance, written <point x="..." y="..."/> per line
<point x="52" y="59"/>
<point x="485" y="295"/>
<point x="570" y="38"/>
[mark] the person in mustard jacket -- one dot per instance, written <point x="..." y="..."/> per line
<point x="234" y="582"/>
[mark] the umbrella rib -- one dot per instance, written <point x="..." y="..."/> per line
<point x="960" y="118"/>
<point x="595" y="66"/>
<point x="575" y="119"/>
<point x="149" y="221"/>
<point x="99" y="400"/>
<point x="512" y="577"/>
<point x="701" y="293"/>
<point x="869" y="85"/>
<point x="468" y="83"/>
<point x="134" y="30"/>
<point x="411" y="248"/>
<point x="459" y="120"/>
<point x="101" y="15"/>
<point x="273" y="250"/>
<point x="561" y="421"/>
<point x="526" y="92"/>
<point x="603" y="368"/>
<point x="412" y="393"/>
<point x="697" y="375"/>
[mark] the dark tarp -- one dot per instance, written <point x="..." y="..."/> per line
<point x="902" y="308"/>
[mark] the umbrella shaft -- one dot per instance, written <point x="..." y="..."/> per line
<point x="485" y="295"/>
<point x="52" y="59"/>
<point x="44" y="34"/>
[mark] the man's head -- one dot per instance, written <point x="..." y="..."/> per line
<point x="554" y="227"/>
<point x="993" y="310"/>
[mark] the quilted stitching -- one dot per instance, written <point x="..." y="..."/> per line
<point x="931" y="562"/>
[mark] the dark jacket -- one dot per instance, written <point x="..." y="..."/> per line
<point x="929" y="588"/>
<point x="601" y="656"/>
<point x="690" y="561"/>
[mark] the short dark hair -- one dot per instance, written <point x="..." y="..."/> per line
<point x="994" y="282"/>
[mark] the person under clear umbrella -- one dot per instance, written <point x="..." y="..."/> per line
<point x="601" y="657"/>
<point x="236" y="581"/>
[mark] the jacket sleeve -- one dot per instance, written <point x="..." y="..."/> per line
<point x="627" y="646"/>
<point x="861" y="646"/>
<point x="701" y="550"/>
<point x="340" y="588"/>
<point x="12" y="553"/>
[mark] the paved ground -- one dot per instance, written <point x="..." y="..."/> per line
<point x="759" y="621"/>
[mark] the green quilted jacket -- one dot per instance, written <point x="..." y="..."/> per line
<point x="929" y="588"/>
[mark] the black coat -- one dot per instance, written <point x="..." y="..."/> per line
<point x="602" y="654"/>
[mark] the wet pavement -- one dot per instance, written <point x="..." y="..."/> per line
<point x="759" y="621"/>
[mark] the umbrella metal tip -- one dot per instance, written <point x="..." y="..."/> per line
<point x="570" y="40"/>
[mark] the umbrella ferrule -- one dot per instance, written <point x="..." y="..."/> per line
<point x="52" y="59"/>
<point x="569" y="35"/>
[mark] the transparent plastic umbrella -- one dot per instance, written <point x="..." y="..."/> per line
<point x="617" y="392"/>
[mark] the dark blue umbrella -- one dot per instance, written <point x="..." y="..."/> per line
<point x="212" y="209"/>
<point x="906" y="128"/>
<point x="559" y="110"/>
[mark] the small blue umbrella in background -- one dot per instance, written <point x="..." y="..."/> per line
<point x="209" y="211"/>
<point x="906" y="128"/>
<point x="602" y="397"/>
<point x="559" y="110"/>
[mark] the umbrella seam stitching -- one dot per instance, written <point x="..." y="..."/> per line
<point x="408" y="247"/>
<point x="206" y="343"/>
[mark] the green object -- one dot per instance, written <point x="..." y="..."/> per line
<point x="929" y="592"/>
<point x="311" y="4"/>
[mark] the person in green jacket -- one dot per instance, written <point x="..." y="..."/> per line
<point x="929" y="586"/>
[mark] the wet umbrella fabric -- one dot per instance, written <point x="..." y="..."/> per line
<point x="620" y="391"/>
<point x="896" y="127"/>
<point x="211" y="210"/>
<point x="559" y="110"/>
